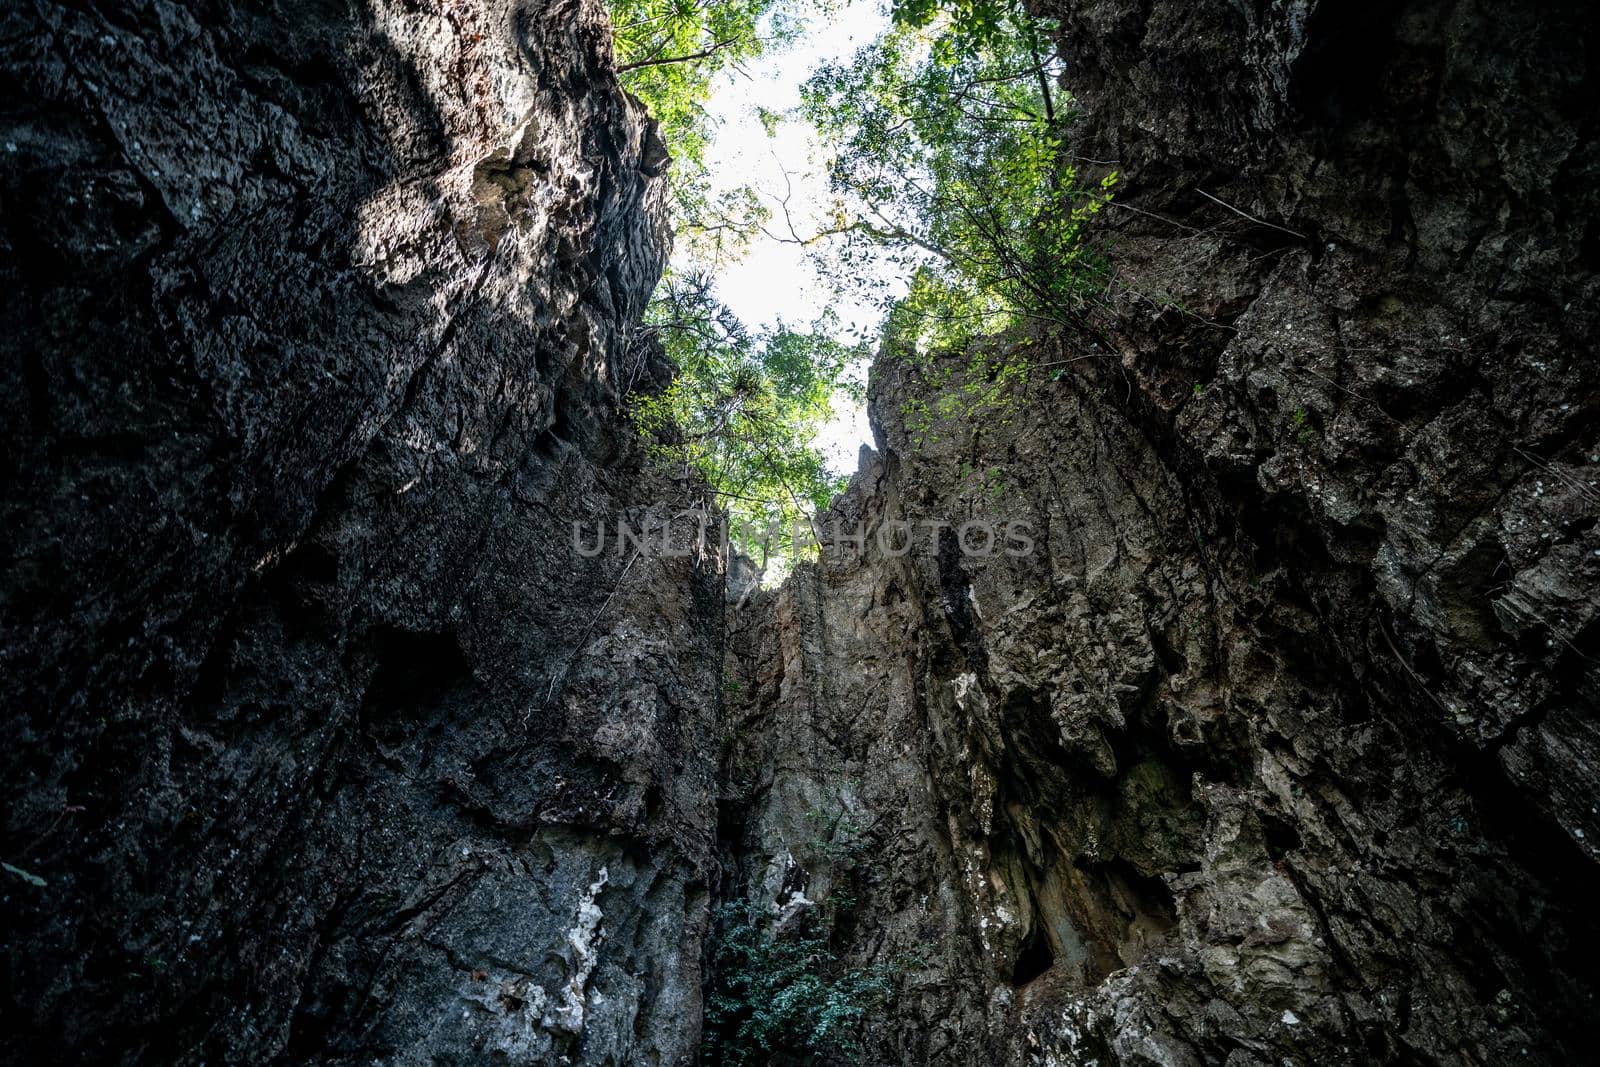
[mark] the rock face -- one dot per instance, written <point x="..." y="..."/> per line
<point x="322" y="743"/>
<point x="1271" y="741"/>
<point x="1279" y="746"/>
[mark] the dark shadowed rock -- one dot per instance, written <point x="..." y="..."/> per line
<point x="322" y="740"/>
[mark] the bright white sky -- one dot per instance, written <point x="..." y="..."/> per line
<point x="777" y="280"/>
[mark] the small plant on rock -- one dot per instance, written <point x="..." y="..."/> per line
<point x="784" y="997"/>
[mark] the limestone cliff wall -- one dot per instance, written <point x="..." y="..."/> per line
<point x="323" y="743"/>
<point x="1281" y="745"/>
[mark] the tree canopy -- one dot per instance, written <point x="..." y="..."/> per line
<point x="946" y="158"/>
<point x="669" y="52"/>
<point x="947" y="146"/>
<point x="744" y="409"/>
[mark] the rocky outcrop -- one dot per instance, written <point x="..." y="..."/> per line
<point x="1279" y="747"/>
<point x="1274" y="743"/>
<point x="322" y="743"/>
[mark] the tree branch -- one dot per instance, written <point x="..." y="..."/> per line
<point x="623" y="68"/>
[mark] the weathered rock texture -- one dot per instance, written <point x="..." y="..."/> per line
<point x="1281" y="745"/>
<point x="324" y="745"/>
<point x="324" y="742"/>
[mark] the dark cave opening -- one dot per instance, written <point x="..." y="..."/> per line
<point x="1034" y="959"/>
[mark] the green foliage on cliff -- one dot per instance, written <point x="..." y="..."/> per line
<point x="668" y="54"/>
<point x="743" y="412"/>
<point x="947" y="150"/>
<point x="784" y="999"/>
<point x="669" y="50"/>
<point x="945" y="159"/>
